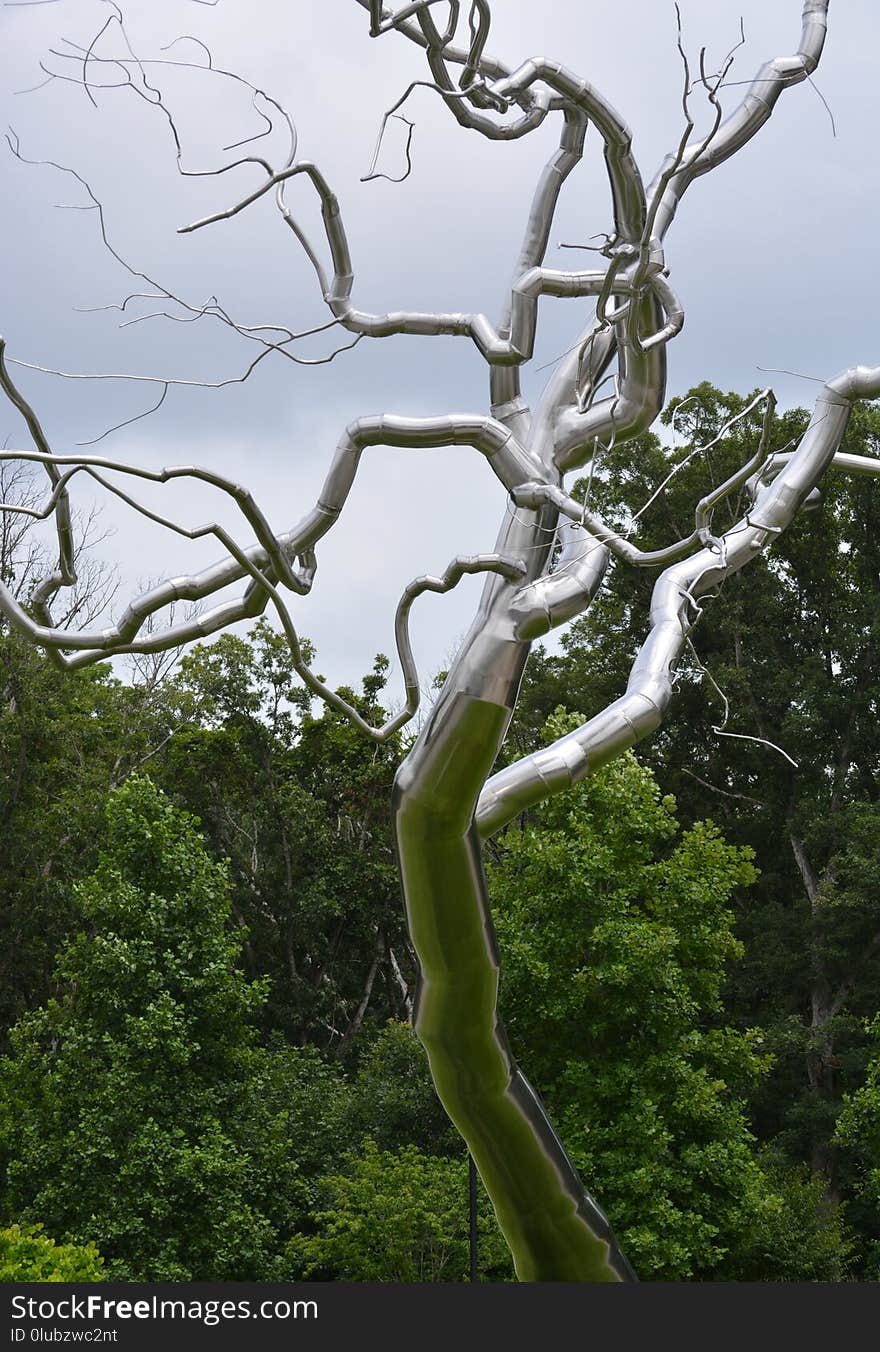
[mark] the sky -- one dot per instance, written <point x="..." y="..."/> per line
<point x="772" y="255"/>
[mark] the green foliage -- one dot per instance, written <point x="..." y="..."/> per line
<point x="133" y="1109"/>
<point x="615" y="934"/>
<point x="397" y="1216"/>
<point x="858" y="1133"/>
<point x="793" y="642"/>
<point x="27" y="1255"/>
<point x="804" y="1238"/>
<point x="300" y="808"/>
<point x="65" y="740"/>
<point x="392" y="1098"/>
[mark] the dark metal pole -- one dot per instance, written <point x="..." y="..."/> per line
<point x="472" y="1206"/>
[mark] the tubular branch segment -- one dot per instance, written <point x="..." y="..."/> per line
<point x="513" y="342"/>
<point x="746" y="120"/>
<point x="627" y="190"/>
<point x="557" y="597"/>
<point x="65" y="573"/>
<point x="504" y="383"/>
<point x="535" y="105"/>
<point x="640" y="388"/>
<point x="465" y="564"/>
<point x="266" y="563"/>
<point x="536" y="494"/>
<point x="675" y="609"/>
<point x="402" y="22"/>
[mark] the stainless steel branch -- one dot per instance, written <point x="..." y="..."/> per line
<point x="747" y="119"/>
<point x="510" y="461"/>
<point x="675" y="608"/>
<point x="559" y="596"/>
<point x="65" y="573"/>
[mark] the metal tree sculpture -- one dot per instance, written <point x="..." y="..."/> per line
<point x="548" y="562"/>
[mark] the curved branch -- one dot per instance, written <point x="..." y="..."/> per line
<point x="509" y="460"/>
<point x="636" y="402"/>
<point x="505" y="383"/>
<point x="747" y="119"/>
<point x="675" y="609"/>
<point x="213" y="309"/>
<point x="513" y="349"/>
<point x="556" y="598"/>
<point x="65" y="575"/>
<point x="537" y="495"/>
<point x="536" y="106"/>
<point x="262" y="579"/>
<point x="464" y="564"/>
<point x="627" y="190"/>
<point x="489" y="67"/>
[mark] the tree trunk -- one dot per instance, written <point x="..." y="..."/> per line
<point x="820" y="1058"/>
<point x="555" y="1230"/>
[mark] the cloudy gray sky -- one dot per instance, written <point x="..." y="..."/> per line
<point x="772" y="254"/>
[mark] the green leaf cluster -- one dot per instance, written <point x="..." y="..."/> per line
<point x="29" y="1255"/>
<point x="616" y="934"/>
<point x="133" y="1111"/>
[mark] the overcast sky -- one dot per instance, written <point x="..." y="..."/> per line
<point x="773" y="256"/>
